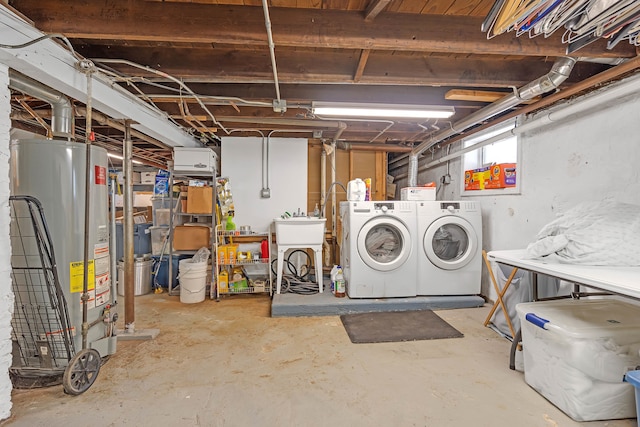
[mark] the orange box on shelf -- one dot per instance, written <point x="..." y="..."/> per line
<point x="502" y="175"/>
<point x="474" y="178"/>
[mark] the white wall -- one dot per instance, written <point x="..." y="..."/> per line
<point x="242" y="162"/>
<point x="6" y="295"/>
<point x="593" y="156"/>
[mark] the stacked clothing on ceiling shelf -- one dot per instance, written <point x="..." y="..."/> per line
<point x="584" y="21"/>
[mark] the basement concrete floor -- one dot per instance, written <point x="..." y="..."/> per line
<point x="229" y="363"/>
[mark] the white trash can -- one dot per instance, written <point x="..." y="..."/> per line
<point x="193" y="280"/>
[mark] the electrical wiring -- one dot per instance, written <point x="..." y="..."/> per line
<point x="167" y="76"/>
<point x="39" y="39"/>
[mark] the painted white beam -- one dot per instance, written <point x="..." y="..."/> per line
<point x="52" y="64"/>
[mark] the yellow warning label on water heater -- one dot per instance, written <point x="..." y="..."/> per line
<point x="76" y="276"/>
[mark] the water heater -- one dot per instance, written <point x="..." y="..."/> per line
<point x="53" y="171"/>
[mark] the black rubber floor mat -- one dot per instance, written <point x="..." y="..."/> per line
<point x="395" y="326"/>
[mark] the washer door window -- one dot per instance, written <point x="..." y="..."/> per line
<point x="384" y="244"/>
<point x="450" y="243"/>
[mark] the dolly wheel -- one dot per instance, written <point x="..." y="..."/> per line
<point x="82" y="371"/>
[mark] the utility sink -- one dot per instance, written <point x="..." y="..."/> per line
<point x="300" y="231"/>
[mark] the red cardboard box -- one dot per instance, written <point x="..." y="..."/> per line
<point x="502" y="175"/>
<point x="474" y="178"/>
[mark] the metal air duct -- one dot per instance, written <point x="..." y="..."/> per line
<point x="559" y="73"/>
<point x="62" y="119"/>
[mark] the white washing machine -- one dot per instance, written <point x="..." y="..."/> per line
<point x="449" y="248"/>
<point x="378" y="253"/>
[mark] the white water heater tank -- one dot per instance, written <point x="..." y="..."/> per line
<point x="53" y="171"/>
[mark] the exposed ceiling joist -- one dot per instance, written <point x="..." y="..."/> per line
<point x="309" y="28"/>
<point x="364" y="56"/>
<point x="333" y="66"/>
<point x="48" y="62"/>
<point x="374" y="8"/>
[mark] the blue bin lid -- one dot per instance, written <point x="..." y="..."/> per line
<point x="633" y="377"/>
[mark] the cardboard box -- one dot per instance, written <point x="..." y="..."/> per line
<point x="148" y="177"/>
<point x="502" y="175"/>
<point x="391" y="191"/>
<point x="135" y="177"/>
<point x="201" y="160"/>
<point x="418" y="193"/>
<point x="474" y="178"/>
<point x="200" y="200"/>
<point x="191" y="237"/>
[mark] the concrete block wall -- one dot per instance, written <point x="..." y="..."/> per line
<point x="591" y="156"/>
<point x="6" y="295"/>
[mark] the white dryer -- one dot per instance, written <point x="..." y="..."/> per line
<point x="378" y="252"/>
<point x="450" y="248"/>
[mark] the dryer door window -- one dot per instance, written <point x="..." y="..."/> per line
<point x="384" y="244"/>
<point x="450" y="242"/>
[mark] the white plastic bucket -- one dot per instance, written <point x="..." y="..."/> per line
<point x="193" y="280"/>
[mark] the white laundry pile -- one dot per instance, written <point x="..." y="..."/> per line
<point x="383" y="244"/>
<point x="593" y="233"/>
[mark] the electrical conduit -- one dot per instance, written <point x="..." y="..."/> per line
<point x="560" y="71"/>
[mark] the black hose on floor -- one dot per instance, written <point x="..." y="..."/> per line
<point x="297" y="283"/>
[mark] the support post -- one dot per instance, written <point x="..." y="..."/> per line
<point x="129" y="285"/>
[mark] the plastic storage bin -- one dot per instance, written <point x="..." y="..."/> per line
<point x="141" y="239"/>
<point x="161" y="217"/>
<point x="160" y="270"/>
<point x="161" y="209"/>
<point x="576" y="353"/>
<point x="157" y="239"/>
<point x="633" y="378"/>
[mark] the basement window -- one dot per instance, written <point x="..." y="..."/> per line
<point x="492" y="167"/>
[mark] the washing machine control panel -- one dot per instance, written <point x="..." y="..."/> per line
<point x="384" y="207"/>
<point x="451" y="207"/>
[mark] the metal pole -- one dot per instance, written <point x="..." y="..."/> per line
<point x="334" y="211"/>
<point x="129" y="288"/>
<point x="112" y="250"/>
<point x="87" y="215"/>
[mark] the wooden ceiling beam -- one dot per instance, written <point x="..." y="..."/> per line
<point x="309" y="28"/>
<point x="364" y="56"/>
<point x="332" y="66"/>
<point x="374" y="8"/>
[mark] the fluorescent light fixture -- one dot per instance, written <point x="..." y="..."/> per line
<point x="116" y="156"/>
<point x="382" y="110"/>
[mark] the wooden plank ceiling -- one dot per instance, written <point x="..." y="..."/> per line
<point x="382" y="51"/>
